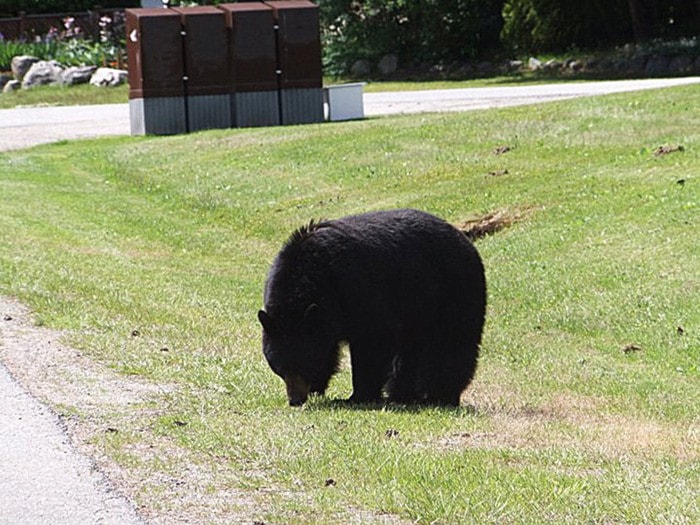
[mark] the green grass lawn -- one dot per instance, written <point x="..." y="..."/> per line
<point x="64" y="96"/>
<point x="172" y="237"/>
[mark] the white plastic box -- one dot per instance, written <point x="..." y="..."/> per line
<point x="344" y="101"/>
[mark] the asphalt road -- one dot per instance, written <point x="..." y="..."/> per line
<point x="43" y="479"/>
<point x="20" y="128"/>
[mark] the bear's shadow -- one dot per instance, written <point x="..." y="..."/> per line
<point x="324" y="403"/>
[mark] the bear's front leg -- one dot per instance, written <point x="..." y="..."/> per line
<point x="371" y="364"/>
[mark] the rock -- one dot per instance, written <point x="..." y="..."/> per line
<point x="591" y="64"/>
<point x="12" y="85"/>
<point x="4" y="79"/>
<point x="657" y="65"/>
<point x="552" y="65"/>
<point x="485" y="67"/>
<point x="42" y="73"/>
<point x="453" y="68"/>
<point x="108" y="77"/>
<point x="388" y="64"/>
<point x="77" y="75"/>
<point x="361" y="68"/>
<point x="628" y="49"/>
<point x="465" y="70"/>
<point x="637" y="64"/>
<point x="681" y="64"/>
<point x="514" y="65"/>
<point x="575" y="65"/>
<point x="534" y="64"/>
<point x="21" y="64"/>
<point x="622" y="65"/>
<point x="606" y="64"/>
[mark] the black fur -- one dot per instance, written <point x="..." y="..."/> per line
<point x="405" y="289"/>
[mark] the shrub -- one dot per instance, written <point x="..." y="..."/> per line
<point x="416" y="30"/>
<point x="69" y="47"/>
<point x="42" y="50"/>
<point x="558" y="25"/>
<point x="551" y="25"/>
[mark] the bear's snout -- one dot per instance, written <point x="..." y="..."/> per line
<point x="297" y="389"/>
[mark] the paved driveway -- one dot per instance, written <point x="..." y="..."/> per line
<point x="25" y="127"/>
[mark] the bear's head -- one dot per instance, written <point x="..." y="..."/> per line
<point x="301" y="351"/>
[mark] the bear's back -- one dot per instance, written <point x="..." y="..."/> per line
<point x="401" y="263"/>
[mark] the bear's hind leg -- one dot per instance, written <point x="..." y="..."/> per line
<point x="401" y="387"/>
<point x="443" y="381"/>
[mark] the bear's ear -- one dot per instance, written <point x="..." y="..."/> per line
<point x="266" y="321"/>
<point x="314" y="316"/>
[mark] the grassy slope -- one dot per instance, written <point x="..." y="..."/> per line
<point x="173" y="236"/>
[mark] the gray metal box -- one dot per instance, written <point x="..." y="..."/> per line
<point x="255" y="108"/>
<point x="208" y="112"/>
<point x="157" y="116"/>
<point x="302" y="106"/>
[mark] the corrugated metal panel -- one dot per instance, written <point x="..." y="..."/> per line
<point x="157" y="116"/>
<point x="259" y="108"/>
<point x="136" y="117"/>
<point x="209" y="112"/>
<point x="302" y="106"/>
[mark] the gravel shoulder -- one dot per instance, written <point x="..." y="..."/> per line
<point x="45" y="478"/>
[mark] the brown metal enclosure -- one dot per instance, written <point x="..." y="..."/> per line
<point x="154" y="50"/>
<point x="156" y="71"/>
<point x="238" y="64"/>
<point x="253" y="64"/>
<point x="252" y="46"/>
<point x="205" y="50"/>
<point x="299" y="61"/>
<point x="207" y="79"/>
<point x="299" y="44"/>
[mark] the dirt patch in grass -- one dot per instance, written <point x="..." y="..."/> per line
<point x="490" y="223"/>
<point x="567" y="420"/>
<point x="665" y="150"/>
<point x="61" y="375"/>
<point x="500" y="150"/>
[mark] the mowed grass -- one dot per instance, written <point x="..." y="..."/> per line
<point x="152" y="253"/>
<point x="64" y="96"/>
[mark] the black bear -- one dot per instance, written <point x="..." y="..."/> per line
<point x="406" y="291"/>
